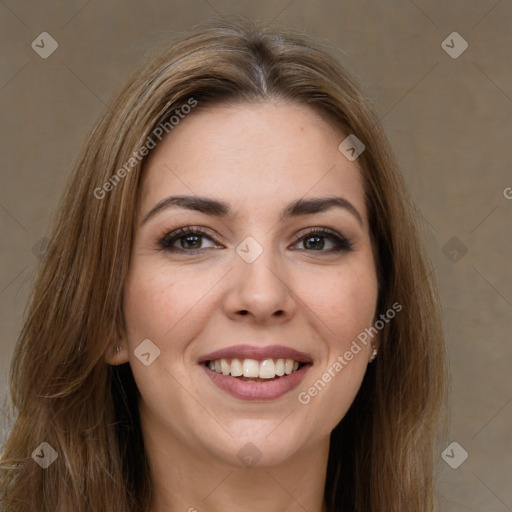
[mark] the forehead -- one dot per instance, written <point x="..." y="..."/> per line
<point x="254" y="156"/>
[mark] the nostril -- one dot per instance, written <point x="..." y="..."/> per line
<point x="244" y="312"/>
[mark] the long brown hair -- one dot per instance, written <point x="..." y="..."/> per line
<point x="63" y="393"/>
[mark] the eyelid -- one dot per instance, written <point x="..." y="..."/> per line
<point x="317" y="229"/>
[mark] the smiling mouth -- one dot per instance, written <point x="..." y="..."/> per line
<point x="253" y="370"/>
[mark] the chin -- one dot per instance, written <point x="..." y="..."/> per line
<point x="260" y="446"/>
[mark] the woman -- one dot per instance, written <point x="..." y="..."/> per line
<point x="235" y="311"/>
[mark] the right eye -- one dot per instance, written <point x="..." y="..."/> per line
<point x="187" y="239"/>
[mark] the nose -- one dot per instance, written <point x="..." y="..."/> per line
<point x="260" y="292"/>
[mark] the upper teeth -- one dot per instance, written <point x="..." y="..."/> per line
<point x="266" y="369"/>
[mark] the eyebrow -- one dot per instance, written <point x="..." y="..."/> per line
<point x="222" y="209"/>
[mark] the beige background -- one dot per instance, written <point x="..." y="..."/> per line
<point x="448" y="119"/>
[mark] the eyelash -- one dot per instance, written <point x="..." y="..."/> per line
<point x="341" y="243"/>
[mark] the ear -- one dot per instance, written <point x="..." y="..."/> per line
<point x="374" y="348"/>
<point x="116" y="353"/>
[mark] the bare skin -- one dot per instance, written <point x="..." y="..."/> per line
<point x="198" y="295"/>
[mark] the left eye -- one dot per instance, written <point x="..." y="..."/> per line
<point x="315" y="240"/>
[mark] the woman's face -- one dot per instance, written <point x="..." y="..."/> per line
<point x="274" y="269"/>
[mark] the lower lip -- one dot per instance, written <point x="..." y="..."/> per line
<point x="257" y="390"/>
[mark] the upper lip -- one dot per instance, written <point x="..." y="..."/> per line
<point x="257" y="352"/>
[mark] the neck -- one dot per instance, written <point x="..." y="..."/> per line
<point x="185" y="478"/>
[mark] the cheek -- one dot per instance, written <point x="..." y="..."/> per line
<point x="343" y="301"/>
<point x="165" y="304"/>
<point x="147" y="306"/>
<point x="344" y="306"/>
